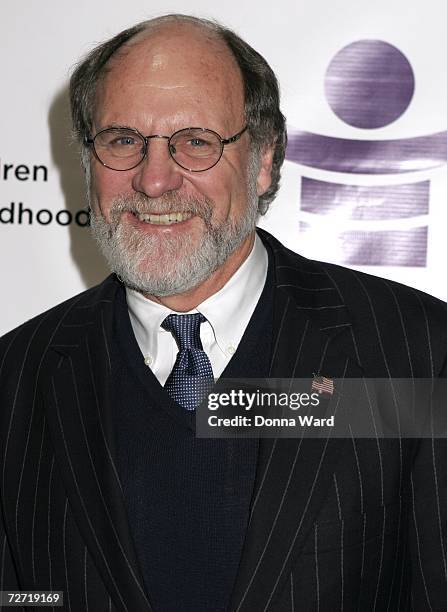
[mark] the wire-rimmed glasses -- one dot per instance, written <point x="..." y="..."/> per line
<point x="195" y="149"/>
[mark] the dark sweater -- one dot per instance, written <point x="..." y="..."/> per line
<point x="187" y="498"/>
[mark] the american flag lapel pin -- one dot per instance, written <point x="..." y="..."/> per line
<point x="322" y="385"/>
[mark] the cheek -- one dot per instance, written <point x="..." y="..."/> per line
<point x="106" y="185"/>
<point x="227" y="190"/>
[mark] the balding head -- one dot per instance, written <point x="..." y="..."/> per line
<point x="263" y="118"/>
<point x="176" y="57"/>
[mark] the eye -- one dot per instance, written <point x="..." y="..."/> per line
<point x="118" y="139"/>
<point x="194" y="143"/>
<point x="123" y="141"/>
<point x="198" y="142"/>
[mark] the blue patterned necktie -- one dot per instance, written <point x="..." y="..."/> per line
<point x="192" y="375"/>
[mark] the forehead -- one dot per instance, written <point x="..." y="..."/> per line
<point x="172" y="70"/>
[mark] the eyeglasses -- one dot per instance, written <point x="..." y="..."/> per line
<point x="194" y="149"/>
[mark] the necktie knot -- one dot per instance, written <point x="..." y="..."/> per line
<point x="185" y="329"/>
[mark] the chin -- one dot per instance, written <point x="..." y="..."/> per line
<point x="169" y="263"/>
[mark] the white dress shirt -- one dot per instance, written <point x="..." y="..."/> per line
<point x="227" y="312"/>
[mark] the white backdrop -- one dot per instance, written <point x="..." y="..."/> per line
<point x="45" y="259"/>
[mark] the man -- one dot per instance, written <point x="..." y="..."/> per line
<point x="107" y="494"/>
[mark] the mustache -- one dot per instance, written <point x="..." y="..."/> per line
<point x="138" y="203"/>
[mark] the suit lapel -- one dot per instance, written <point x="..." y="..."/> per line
<point x="79" y="418"/>
<point x="312" y="335"/>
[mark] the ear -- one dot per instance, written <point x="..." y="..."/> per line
<point x="264" y="179"/>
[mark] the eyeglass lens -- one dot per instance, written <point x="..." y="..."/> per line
<point x="193" y="149"/>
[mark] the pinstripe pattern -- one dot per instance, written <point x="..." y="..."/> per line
<point x="97" y="478"/>
<point x="50" y="574"/>
<point x="292" y="594"/>
<point x="418" y="544"/>
<point x="382" y="542"/>
<point x="340" y="518"/>
<point x="317" y="576"/>
<point x="2" y="575"/>
<point x="334" y="524"/>
<point x="363" y="548"/>
<point x="85" y="579"/>
<point x="36" y="490"/>
<point x="64" y="537"/>
<point x="105" y="437"/>
<point x="83" y="502"/>
<point x="399" y="600"/>
<point x="265" y="472"/>
<point x="411" y="375"/>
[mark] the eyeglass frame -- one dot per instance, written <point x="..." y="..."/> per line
<point x="223" y="142"/>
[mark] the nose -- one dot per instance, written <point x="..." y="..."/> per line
<point x="157" y="173"/>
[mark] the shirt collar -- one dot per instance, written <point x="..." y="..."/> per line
<point x="228" y="311"/>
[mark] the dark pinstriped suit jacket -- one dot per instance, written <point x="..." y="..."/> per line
<point x="335" y="525"/>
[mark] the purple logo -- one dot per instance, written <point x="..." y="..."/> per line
<point x="369" y="84"/>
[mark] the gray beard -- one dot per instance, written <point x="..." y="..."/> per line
<point x="170" y="265"/>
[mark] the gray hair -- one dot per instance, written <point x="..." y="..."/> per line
<point x="265" y="122"/>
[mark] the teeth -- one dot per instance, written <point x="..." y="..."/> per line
<point x="175" y="217"/>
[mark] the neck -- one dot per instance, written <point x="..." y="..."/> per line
<point x="183" y="302"/>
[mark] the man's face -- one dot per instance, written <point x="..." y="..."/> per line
<point x="173" y="79"/>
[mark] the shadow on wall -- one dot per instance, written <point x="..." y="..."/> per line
<point x="64" y="151"/>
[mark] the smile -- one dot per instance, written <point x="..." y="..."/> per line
<point x="169" y="219"/>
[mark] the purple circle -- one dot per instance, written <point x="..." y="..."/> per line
<point x="369" y="84"/>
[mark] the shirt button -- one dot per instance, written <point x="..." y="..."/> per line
<point x="231" y="350"/>
<point x="148" y="360"/>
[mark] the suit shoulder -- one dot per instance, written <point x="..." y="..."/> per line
<point x="349" y="283"/>
<point x="389" y="322"/>
<point x="42" y="326"/>
<point x="396" y="317"/>
<point x="381" y="292"/>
